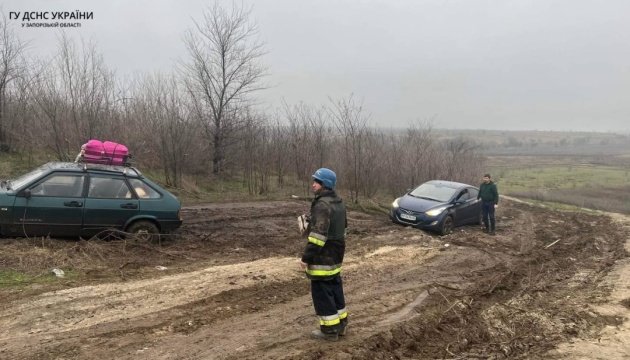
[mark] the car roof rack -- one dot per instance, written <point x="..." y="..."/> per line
<point x="125" y="170"/>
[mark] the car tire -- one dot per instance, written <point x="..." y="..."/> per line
<point x="447" y="226"/>
<point x="145" y="231"/>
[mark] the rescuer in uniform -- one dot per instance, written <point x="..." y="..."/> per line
<point x="323" y="256"/>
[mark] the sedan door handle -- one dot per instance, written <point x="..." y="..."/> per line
<point x="129" y="206"/>
<point x="73" y="204"/>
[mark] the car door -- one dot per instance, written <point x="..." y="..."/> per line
<point x="51" y="206"/>
<point x="465" y="207"/>
<point x="476" y="206"/>
<point x="109" y="204"/>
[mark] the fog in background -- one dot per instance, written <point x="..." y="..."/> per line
<point x="512" y="65"/>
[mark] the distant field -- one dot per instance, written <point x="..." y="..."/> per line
<point x="545" y="143"/>
<point x="583" y="169"/>
<point x="553" y="177"/>
<point x="589" y="182"/>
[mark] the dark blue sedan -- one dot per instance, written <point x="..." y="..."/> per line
<point x="438" y="206"/>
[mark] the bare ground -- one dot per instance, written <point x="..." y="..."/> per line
<point x="550" y="285"/>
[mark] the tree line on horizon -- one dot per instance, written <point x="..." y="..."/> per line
<point x="202" y="119"/>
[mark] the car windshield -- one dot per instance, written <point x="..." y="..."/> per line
<point x="435" y="192"/>
<point x="19" y="182"/>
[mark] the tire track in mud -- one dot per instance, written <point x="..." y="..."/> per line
<point x="613" y="342"/>
<point x="478" y="285"/>
<point x="93" y="305"/>
<point x="523" y="305"/>
<point x="112" y="310"/>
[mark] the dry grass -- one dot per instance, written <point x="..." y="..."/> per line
<point x="27" y="260"/>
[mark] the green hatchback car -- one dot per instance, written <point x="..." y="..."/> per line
<point x="70" y="199"/>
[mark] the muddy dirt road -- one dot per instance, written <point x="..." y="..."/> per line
<point x="549" y="285"/>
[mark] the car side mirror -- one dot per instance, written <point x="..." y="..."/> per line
<point x="27" y="193"/>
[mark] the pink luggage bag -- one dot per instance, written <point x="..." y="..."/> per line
<point x="108" y="152"/>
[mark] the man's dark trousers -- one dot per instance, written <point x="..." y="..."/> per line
<point x="487" y="211"/>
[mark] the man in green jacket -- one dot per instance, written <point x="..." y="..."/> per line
<point x="489" y="196"/>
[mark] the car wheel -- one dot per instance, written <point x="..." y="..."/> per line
<point x="447" y="226"/>
<point x="144" y="231"/>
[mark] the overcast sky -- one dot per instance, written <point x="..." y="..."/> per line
<point x="513" y="65"/>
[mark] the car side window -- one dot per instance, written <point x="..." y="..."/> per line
<point x="143" y="190"/>
<point x="473" y="193"/>
<point x="60" y="185"/>
<point x="108" y="187"/>
<point x="463" y="196"/>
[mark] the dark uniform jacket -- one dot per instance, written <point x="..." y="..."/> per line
<point x="326" y="244"/>
<point x="488" y="192"/>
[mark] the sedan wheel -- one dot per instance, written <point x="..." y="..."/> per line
<point x="447" y="226"/>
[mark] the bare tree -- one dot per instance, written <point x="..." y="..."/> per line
<point x="299" y="136"/>
<point x="48" y="110"/>
<point x="373" y="162"/>
<point x="224" y="70"/>
<point x="461" y="159"/>
<point x="255" y="154"/>
<point x="87" y="86"/>
<point x="158" y="110"/>
<point x="419" y="153"/>
<point x="73" y="97"/>
<point x="11" y="61"/>
<point x="280" y="145"/>
<point x="22" y="131"/>
<point x="322" y="136"/>
<point x="310" y="139"/>
<point x="352" y="123"/>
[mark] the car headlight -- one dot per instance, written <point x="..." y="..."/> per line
<point x="436" y="212"/>
<point x="395" y="203"/>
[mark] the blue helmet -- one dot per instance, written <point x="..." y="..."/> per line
<point x="327" y="177"/>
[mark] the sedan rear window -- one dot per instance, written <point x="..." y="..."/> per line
<point x="143" y="190"/>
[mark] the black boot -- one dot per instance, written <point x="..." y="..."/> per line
<point x="342" y="327"/>
<point x="318" y="334"/>
<point x="492" y="227"/>
<point x="326" y="333"/>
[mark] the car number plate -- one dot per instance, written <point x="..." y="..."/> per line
<point x="407" y="217"/>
